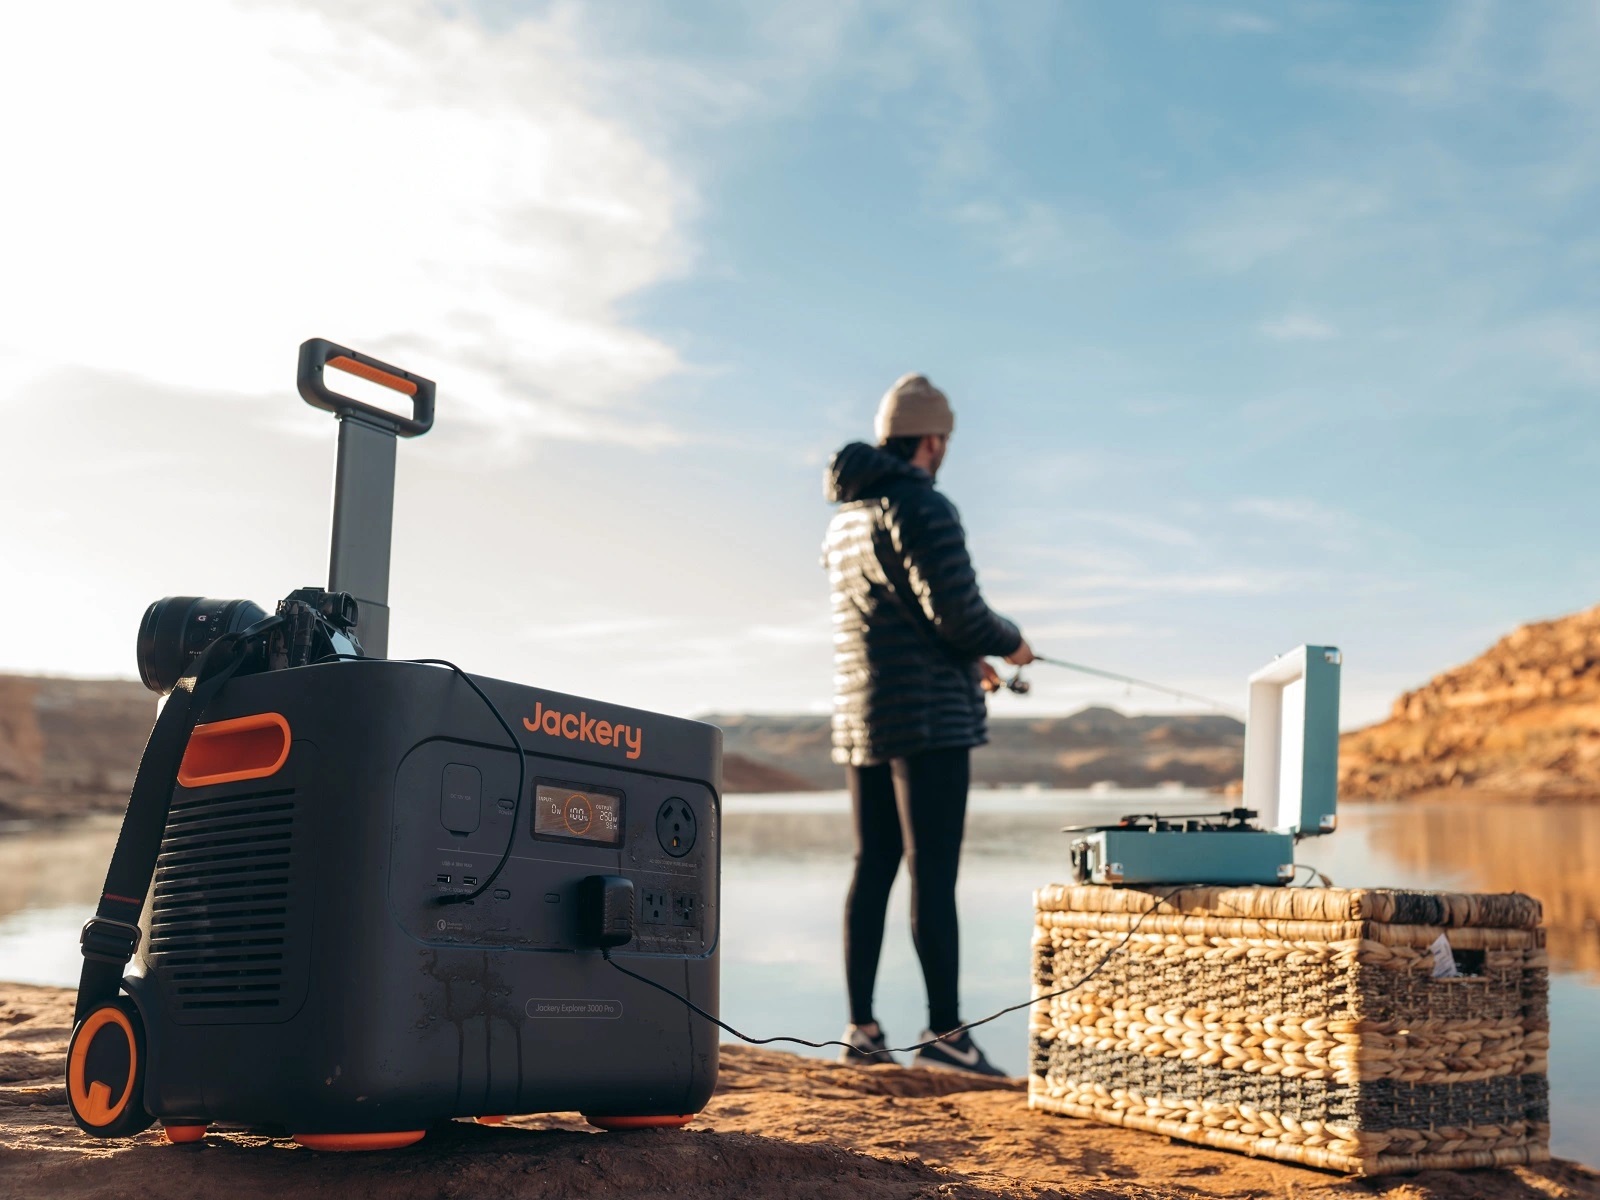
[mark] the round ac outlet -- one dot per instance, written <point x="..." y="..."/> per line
<point x="675" y="826"/>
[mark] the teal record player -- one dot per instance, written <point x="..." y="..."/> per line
<point x="1291" y="760"/>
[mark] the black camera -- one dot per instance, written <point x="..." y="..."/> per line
<point x="312" y="625"/>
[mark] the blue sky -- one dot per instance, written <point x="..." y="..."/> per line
<point x="1263" y="324"/>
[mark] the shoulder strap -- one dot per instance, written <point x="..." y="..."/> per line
<point x="112" y="935"/>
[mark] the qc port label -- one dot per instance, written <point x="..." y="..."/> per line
<point x="574" y="1010"/>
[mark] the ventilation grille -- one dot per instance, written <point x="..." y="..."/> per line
<point x="219" y="919"/>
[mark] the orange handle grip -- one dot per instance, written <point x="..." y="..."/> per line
<point x="373" y="374"/>
<point x="317" y="353"/>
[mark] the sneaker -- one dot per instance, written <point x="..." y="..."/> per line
<point x="954" y="1052"/>
<point x="863" y="1048"/>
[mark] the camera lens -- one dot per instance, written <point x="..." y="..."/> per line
<point x="176" y="629"/>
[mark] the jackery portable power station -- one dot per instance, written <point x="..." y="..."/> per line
<point x="363" y="896"/>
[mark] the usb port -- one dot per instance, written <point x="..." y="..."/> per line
<point x="441" y="879"/>
<point x="470" y="880"/>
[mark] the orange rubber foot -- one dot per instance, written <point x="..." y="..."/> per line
<point x="620" y="1123"/>
<point x="179" y="1134"/>
<point x="490" y="1120"/>
<point x="360" y="1141"/>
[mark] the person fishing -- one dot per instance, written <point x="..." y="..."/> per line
<point x="911" y="632"/>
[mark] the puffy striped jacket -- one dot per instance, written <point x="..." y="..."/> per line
<point x="909" y="623"/>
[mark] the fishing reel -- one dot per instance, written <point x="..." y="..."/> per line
<point x="1016" y="685"/>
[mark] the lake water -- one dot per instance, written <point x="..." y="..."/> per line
<point x="786" y="861"/>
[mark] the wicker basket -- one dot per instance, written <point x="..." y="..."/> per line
<point x="1300" y="1024"/>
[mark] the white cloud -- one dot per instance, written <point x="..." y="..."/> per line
<point x="1566" y="341"/>
<point x="211" y="181"/>
<point x="1288" y="512"/>
<point x="1030" y="233"/>
<point x="1148" y="529"/>
<point x="1084" y="630"/>
<point x="1299" y="327"/>
<point x="1246" y="582"/>
<point x="1011" y="605"/>
<point x="1302" y="518"/>
<point x="803" y="633"/>
<point x="1452" y="62"/>
<point x="1237" y="21"/>
<point x="618" y="629"/>
<point x="1255" y="225"/>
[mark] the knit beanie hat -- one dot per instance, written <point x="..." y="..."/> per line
<point x="911" y="408"/>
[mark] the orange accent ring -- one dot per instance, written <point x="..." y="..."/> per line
<point x="92" y="1101"/>
<point x="360" y="1141"/>
<point x="490" y="1120"/>
<point x="250" y="747"/>
<point x="179" y="1134"/>
<point x="373" y="374"/>
<point x="621" y="1123"/>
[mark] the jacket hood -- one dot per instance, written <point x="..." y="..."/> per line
<point x="861" y="470"/>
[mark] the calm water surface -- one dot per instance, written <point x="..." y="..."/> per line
<point x="786" y="861"/>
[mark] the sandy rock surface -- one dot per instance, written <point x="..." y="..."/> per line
<point x="779" y="1126"/>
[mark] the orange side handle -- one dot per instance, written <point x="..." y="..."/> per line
<point x="252" y="747"/>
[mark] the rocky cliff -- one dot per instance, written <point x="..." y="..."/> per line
<point x="1090" y="746"/>
<point x="1522" y="720"/>
<point x="69" y="746"/>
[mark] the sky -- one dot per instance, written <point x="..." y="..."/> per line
<point x="1263" y="324"/>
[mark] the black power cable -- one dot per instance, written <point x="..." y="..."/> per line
<point x="1074" y="986"/>
<point x="505" y="856"/>
<point x="516" y="745"/>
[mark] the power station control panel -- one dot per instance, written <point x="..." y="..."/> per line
<point x="454" y="816"/>
<point x="571" y="812"/>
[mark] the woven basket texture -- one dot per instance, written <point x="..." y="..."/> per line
<point x="1296" y="1023"/>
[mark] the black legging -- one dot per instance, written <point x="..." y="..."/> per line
<point x="916" y="806"/>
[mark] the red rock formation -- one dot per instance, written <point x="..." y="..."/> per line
<point x="1521" y="720"/>
<point x="69" y="746"/>
<point x="21" y="743"/>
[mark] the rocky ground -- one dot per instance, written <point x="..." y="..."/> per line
<point x="1522" y="721"/>
<point x="779" y="1126"/>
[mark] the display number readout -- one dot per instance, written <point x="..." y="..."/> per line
<point x="583" y="814"/>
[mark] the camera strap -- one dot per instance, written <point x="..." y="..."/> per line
<point x="112" y="935"/>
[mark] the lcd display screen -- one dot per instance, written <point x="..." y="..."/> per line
<point x="582" y="814"/>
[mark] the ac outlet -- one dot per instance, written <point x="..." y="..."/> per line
<point x="654" y="907"/>
<point x="685" y="909"/>
<point x="676" y="827"/>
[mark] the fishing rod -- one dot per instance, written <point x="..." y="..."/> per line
<point x="1021" y="686"/>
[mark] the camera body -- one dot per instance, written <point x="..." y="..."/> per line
<point x="315" y="626"/>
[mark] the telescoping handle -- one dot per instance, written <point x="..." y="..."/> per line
<point x="316" y="353"/>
